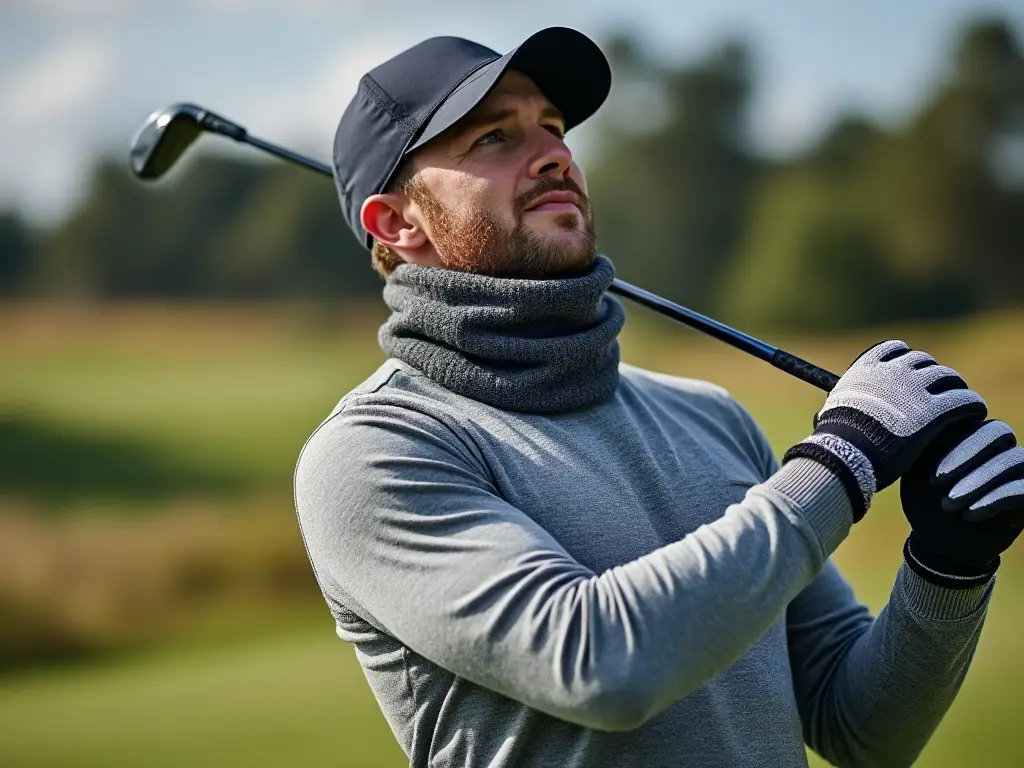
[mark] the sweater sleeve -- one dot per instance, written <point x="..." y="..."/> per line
<point x="871" y="692"/>
<point x="403" y="527"/>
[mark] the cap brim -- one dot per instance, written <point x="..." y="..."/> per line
<point x="566" y="65"/>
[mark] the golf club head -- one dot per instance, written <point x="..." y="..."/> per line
<point x="163" y="138"/>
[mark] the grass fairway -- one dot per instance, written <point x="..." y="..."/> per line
<point x="298" y="699"/>
<point x="128" y="410"/>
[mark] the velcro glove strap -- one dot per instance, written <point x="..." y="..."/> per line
<point x="845" y="461"/>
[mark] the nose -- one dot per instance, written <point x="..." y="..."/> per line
<point x="553" y="157"/>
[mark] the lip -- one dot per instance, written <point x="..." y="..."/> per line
<point x="555" y="201"/>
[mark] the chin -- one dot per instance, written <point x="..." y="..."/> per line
<point x="561" y="233"/>
<point x="568" y="255"/>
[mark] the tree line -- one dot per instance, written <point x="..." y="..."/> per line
<point x="872" y="224"/>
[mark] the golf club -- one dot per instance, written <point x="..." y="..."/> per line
<point x="169" y="132"/>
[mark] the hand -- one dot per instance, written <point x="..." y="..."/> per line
<point x="887" y="407"/>
<point x="964" y="499"/>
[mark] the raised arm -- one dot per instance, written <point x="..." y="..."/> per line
<point x="404" y="528"/>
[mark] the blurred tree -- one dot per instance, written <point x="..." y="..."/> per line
<point x="290" y="240"/>
<point x="874" y="226"/>
<point x="128" y="239"/>
<point x="871" y="225"/>
<point x="223" y="228"/>
<point x="810" y="257"/>
<point x="672" y="181"/>
<point x="941" y="191"/>
<point x="16" y="252"/>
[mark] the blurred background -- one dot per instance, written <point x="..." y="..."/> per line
<point x="825" y="175"/>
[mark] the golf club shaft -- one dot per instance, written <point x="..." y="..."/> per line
<point x="287" y="154"/>
<point x="784" y="361"/>
<point x="801" y="369"/>
<point x="214" y="123"/>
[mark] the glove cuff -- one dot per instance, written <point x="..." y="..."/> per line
<point x="943" y="572"/>
<point x="846" y="461"/>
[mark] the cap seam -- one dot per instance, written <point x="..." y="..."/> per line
<point x="411" y="135"/>
<point x="434" y="107"/>
<point x="385" y="101"/>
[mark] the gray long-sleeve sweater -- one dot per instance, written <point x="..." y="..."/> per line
<point x="634" y="583"/>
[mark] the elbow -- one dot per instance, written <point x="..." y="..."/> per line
<point x="618" y="704"/>
<point x="850" y="749"/>
<point x="615" y="716"/>
<point x="879" y="760"/>
<point x="878" y="757"/>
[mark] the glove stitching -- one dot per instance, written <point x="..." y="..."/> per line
<point x="917" y="561"/>
<point x="951" y="581"/>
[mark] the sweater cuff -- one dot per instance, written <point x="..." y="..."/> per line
<point x="931" y="601"/>
<point x="820" y="497"/>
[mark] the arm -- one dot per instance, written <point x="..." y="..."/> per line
<point x="403" y="526"/>
<point x="872" y="692"/>
<point x="964" y="499"/>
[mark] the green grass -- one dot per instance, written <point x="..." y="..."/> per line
<point x="294" y="700"/>
<point x="215" y="403"/>
<point x="300" y="699"/>
<point x="166" y="401"/>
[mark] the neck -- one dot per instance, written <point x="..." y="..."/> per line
<point x="537" y="346"/>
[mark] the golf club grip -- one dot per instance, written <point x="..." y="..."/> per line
<point x="804" y="371"/>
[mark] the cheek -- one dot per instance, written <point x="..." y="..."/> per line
<point x="471" y="194"/>
<point x="493" y="197"/>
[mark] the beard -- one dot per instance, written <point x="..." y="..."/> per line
<point x="469" y="240"/>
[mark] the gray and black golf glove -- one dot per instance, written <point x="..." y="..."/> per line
<point x="964" y="500"/>
<point x="887" y="407"/>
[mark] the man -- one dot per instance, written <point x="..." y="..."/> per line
<point x="544" y="557"/>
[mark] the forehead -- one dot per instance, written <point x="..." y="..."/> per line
<point x="514" y="90"/>
<point x="513" y="85"/>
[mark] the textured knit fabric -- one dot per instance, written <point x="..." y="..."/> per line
<point x="539" y="346"/>
<point x="631" y="583"/>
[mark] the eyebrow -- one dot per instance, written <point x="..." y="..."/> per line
<point x="491" y="116"/>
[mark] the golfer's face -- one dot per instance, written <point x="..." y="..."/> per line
<point x="507" y="160"/>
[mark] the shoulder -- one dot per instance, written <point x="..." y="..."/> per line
<point x="395" y="411"/>
<point x="396" y="386"/>
<point x="696" y="395"/>
<point x="706" y="403"/>
<point x="684" y="387"/>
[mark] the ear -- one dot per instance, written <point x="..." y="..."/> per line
<point x="383" y="216"/>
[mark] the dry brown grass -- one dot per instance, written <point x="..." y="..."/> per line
<point x="86" y="584"/>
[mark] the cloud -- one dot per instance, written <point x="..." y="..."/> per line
<point x="60" y="10"/>
<point x="790" y="116"/>
<point x="61" y="79"/>
<point x="392" y="9"/>
<point x="308" y="111"/>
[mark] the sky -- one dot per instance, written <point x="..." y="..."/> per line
<point x="78" y="77"/>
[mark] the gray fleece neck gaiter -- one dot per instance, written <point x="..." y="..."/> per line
<point x="535" y="346"/>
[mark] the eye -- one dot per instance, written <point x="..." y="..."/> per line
<point x="555" y="130"/>
<point x="497" y="134"/>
